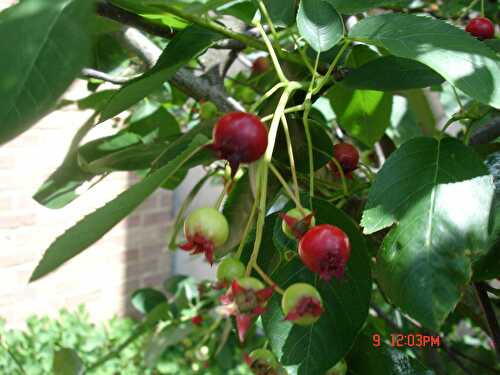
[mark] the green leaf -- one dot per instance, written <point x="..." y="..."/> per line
<point x="440" y="195"/>
<point x="282" y="12"/>
<point x="95" y="225"/>
<point x="185" y="46"/>
<point x="160" y="126"/>
<point x="462" y="60"/>
<point x="391" y="73"/>
<point x="39" y="58"/>
<point x="67" y="362"/>
<point x="146" y="299"/>
<point x="367" y="359"/>
<point x="319" y="24"/>
<point x="403" y="122"/>
<point x="313" y="350"/>
<point x="364" y="114"/>
<point x="358" y="6"/>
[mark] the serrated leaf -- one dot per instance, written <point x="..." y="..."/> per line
<point x="462" y="60"/>
<point x="146" y="299"/>
<point x="367" y="359"/>
<point x="319" y="24"/>
<point x="440" y="195"/>
<point x="92" y="227"/>
<point x="39" y="58"/>
<point x="67" y="362"/>
<point x="185" y="46"/>
<point x="313" y="350"/>
<point x="391" y="73"/>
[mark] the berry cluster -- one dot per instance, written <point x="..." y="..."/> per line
<point x="324" y="249"/>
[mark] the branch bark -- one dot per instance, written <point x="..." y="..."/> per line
<point x="108" y="10"/>
<point x="184" y="79"/>
<point x="93" y="73"/>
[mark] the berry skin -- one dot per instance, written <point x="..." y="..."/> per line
<point x="239" y="137"/>
<point x="205" y="229"/>
<point x="260" y="65"/>
<point x="296" y="222"/>
<point x="230" y="269"/>
<point x="197" y="320"/>
<point x="325" y="249"/>
<point x="262" y="362"/>
<point x="302" y="304"/>
<point x="347" y="156"/>
<point x="481" y="28"/>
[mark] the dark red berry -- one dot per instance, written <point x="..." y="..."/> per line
<point x="239" y="137"/>
<point x="260" y="65"/>
<point x="325" y="249"/>
<point x="197" y="320"/>
<point x="481" y="28"/>
<point x="347" y="156"/>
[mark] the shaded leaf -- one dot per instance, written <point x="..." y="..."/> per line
<point x="391" y="73"/>
<point x="146" y="299"/>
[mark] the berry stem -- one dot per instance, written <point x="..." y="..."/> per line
<point x="267" y="95"/>
<point x="263" y="169"/>
<point x="303" y="55"/>
<point x="272" y="53"/>
<point x="223" y="193"/>
<point x="342" y="176"/>
<point x="325" y="79"/>
<point x="265" y="13"/>
<point x="267" y="279"/>
<point x="292" y="196"/>
<point x="290" y="156"/>
<point x="247" y="229"/>
<point x="305" y="120"/>
<point x="295" y="108"/>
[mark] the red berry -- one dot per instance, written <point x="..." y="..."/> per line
<point x="481" y="28"/>
<point x="347" y="156"/>
<point x="260" y="65"/>
<point x="325" y="249"/>
<point x="197" y="320"/>
<point x="239" y="137"/>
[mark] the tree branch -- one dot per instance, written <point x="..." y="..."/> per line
<point x="92" y="73"/>
<point x="184" y="79"/>
<point x="491" y="318"/>
<point x="108" y="10"/>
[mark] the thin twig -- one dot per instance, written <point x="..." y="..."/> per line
<point x="491" y="318"/>
<point x="93" y="73"/>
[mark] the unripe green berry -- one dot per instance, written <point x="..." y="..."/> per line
<point x="208" y="223"/>
<point x="293" y="297"/>
<point x="208" y="110"/>
<point x="297" y="214"/>
<point x="230" y="269"/>
<point x="250" y="283"/>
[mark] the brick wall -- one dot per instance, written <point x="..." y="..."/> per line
<point x="131" y="255"/>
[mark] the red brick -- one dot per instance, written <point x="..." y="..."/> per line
<point x="157" y="218"/>
<point x="154" y="280"/>
<point x="15" y="221"/>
